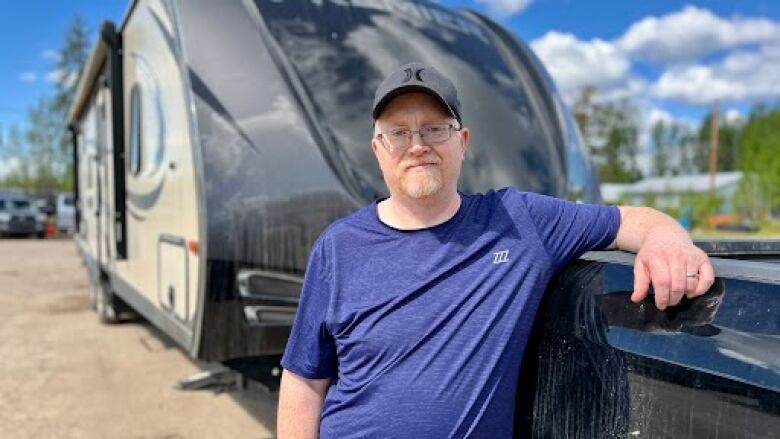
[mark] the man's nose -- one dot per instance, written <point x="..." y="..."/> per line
<point x="417" y="145"/>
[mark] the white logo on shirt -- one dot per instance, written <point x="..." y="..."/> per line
<point x="500" y="257"/>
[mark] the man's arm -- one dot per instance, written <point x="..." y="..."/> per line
<point x="300" y="405"/>
<point x="665" y="256"/>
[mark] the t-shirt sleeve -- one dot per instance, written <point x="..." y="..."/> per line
<point x="567" y="229"/>
<point x="311" y="349"/>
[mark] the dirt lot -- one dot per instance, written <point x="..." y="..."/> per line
<point x="64" y="375"/>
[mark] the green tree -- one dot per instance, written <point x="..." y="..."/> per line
<point x="672" y="148"/>
<point x="610" y="130"/>
<point x="72" y="58"/>
<point x="759" y="160"/>
<point x="686" y="147"/>
<point x="583" y="110"/>
<point x="16" y="157"/>
<point x="47" y="159"/>
<point x="659" y="135"/>
<point x="728" y="145"/>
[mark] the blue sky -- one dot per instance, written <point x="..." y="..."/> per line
<point x="670" y="57"/>
<point x="31" y="31"/>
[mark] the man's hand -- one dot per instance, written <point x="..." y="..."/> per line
<point x="674" y="268"/>
<point x="666" y="257"/>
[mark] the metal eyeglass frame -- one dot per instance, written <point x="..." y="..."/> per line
<point x="388" y="145"/>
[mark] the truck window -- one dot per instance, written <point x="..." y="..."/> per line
<point x="21" y="204"/>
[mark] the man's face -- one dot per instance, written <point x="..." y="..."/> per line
<point x="422" y="170"/>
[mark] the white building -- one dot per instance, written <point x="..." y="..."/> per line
<point x="669" y="191"/>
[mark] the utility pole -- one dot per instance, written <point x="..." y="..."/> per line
<point x="713" y="164"/>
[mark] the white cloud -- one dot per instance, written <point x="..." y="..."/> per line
<point x="674" y="42"/>
<point x="56" y="75"/>
<point x="51" y="55"/>
<point x="632" y="87"/>
<point x="575" y="64"/>
<point x="505" y="7"/>
<point x="70" y="79"/>
<point x="741" y="76"/>
<point x="28" y="76"/>
<point x="7" y="165"/>
<point x="733" y="116"/>
<point x="693" y="32"/>
<point x="658" y="115"/>
<point x="64" y="77"/>
<point x="696" y="85"/>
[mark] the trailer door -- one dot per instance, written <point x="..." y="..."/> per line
<point x="105" y="158"/>
<point x="92" y="195"/>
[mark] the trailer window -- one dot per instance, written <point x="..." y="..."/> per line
<point x="134" y="164"/>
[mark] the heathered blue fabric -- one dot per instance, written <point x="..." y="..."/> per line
<point x="422" y="332"/>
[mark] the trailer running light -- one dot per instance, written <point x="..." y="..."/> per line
<point x="268" y="285"/>
<point x="269" y="315"/>
<point x="192" y="245"/>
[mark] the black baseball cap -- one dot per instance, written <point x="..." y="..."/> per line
<point x="417" y="77"/>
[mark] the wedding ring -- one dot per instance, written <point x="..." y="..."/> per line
<point x="691" y="275"/>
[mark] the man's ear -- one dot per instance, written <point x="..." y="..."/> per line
<point x="464" y="141"/>
<point x="375" y="139"/>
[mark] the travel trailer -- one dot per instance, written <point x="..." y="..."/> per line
<point x="214" y="141"/>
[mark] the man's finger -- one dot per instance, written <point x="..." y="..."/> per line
<point x="706" y="279"/>
<point x="659" y="275"/>
<point x="641" y="281"/>
<point x="677" y="280"/>
<point x="691" y="278"/>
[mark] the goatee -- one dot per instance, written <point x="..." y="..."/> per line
<point x="421" y="186"/>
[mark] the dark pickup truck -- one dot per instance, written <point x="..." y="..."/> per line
<point x="599" y="365"/>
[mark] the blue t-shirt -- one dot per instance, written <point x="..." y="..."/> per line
<point x="422" y="332"/>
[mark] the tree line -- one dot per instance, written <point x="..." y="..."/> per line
<point x="38" y="159"/>
<point x="611" y="131"/>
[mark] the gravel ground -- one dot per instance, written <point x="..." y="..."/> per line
<point x="65" y="375"/>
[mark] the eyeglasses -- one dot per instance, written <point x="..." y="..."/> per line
<point x="400" y="139"/>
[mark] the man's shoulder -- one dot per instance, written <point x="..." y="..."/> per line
<point x="508" y="194"/>
<point x="359" y="220"/>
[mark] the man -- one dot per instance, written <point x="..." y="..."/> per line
<point x="415" y="310"/>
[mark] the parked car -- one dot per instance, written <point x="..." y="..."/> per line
<point x="18" y="217"/>
<point x="66" y="213"/>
